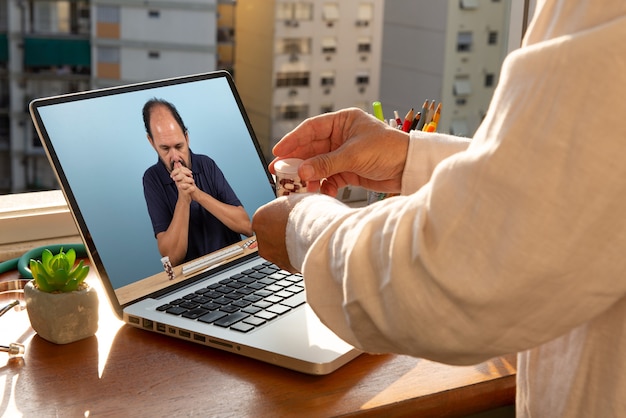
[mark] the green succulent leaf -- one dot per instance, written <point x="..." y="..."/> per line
<point x="57" y="272"/>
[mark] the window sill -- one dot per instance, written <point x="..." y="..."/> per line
<point x="27" y="219"/>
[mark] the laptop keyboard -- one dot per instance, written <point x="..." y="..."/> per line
<point x="243" y="301"/>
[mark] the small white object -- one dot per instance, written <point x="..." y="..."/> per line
<point x="287" y="179"/>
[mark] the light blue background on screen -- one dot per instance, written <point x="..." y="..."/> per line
<point x="103" y="149"/>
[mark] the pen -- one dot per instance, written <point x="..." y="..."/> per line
<point x="407" y="120"/>
<point x="378" y="110"/>
<point x="397" y="117"/>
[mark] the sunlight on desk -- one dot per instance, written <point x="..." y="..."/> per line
<point x="124" y="371"/>
<point x="440" y="380"/>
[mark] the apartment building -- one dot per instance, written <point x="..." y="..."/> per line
<point x="449" y="51"/>
<point x="50" y="47"/>
<point x="296" y="59"/>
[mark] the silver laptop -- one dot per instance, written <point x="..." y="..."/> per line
<point x="229" y="299"/>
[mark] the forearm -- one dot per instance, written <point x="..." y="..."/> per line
<point x="234" y="217"/>
<point x="488" y="257"/>
<point x="173" y="241"/>
<point x="426" y="150"/>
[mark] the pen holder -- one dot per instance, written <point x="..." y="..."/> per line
<point x="287" y="179"/>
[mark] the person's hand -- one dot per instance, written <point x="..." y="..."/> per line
<point x="347" y="147"/>
<point x="183" y="177"/>
<point x="269" y="224"/>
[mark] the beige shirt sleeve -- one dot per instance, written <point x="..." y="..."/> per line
<point x="500" y="247"/>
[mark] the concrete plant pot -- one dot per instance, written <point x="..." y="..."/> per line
<point x="62" y="318"/>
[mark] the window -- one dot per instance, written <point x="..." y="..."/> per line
<point x="364" y="14"/>
<point x="330" y="12"/>
<point x="364" y="45"/>
<point x="294" y="11"/>
<point x="464" y="41"/>
<point x="154" y="14"/>
<point x="362" y="79"/>
<point x="154" y="54"/>
<point x="108" y="14"/>
<point x="492" y="37"/>
<point x="108" y="54"/>
<point x="462" y="86"/>
<point x="327" y="79"/>
<point x="292" y="79"/>
<point x="292" y="112"/>
<point x="468" y="4"/>
<point x="329" y="45"/>
<point x="293" y="46"/>
<point x="303" y="11"/>
<point x="459" y="127"/>
<point x="284" y="11"/>
<point x="489" y="79"/>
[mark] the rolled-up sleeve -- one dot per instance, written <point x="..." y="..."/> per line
<point x="494" y="247"/>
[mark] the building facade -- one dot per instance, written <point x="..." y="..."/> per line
<point x="292" y="59"/>
<point x="296" y="59"/>
<point x="51" y="47"/>
<point x="448" y="51"/>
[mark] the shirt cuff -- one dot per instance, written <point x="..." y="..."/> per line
<point x="426" y="150"/>
<point x="307" y="220"/>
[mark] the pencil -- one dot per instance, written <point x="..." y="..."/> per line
<point x="416" y="120"/>
<point x="407" y="120"/>
<point x="431" y="112"/>
<point x="422" y="120"/>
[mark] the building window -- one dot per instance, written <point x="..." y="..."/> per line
<point x="468" y="4"/>
<point x="329" y="45"/>
<point x="462" y="86"/>
<point x="303" y="11"/>
<point x="330" y="12"/>
<point x="489" y="79"/>
<point x="108" y="14"/>
<point x="459" y="127"/>
<point x="292" y="79"/>
<point x="364" y="45"/>
<point x="293" y="46"/>
<point x="294" y="11"/>
<point x="327" y="108"/>
<point x="108" y="54"/>
<point x="154" y="14"/>
<point x="464" y="41"/>
<point x="364" y="14"/>
<point x="362" y="79"/>
<point x="492" y="37"/>
<point x="292" y="112"/>
<point x="154" y="54"/>
<point x="327" y="79"/>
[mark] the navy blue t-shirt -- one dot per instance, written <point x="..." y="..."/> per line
<point x="206" y="232"/>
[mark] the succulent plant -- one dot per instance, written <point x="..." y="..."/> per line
<point x="57" y="273"/>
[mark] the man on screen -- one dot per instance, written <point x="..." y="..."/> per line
<point x="193" y="209"/>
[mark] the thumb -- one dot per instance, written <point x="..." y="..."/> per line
<point x="320" y="167"/>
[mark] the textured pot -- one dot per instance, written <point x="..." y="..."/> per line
<point x="62" y="318"/>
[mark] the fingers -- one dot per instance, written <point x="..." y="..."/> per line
<point x="183" y="177"/>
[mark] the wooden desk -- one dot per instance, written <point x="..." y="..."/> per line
<point x="123" y="371"/>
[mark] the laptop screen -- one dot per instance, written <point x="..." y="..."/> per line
<point x="98" y="145"/>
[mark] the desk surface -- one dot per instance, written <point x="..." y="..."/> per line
<point x="123" y="371"/>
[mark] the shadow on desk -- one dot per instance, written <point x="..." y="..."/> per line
<point x="146" y="374"/>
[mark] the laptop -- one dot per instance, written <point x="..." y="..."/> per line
<point x="230" y="299"/>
